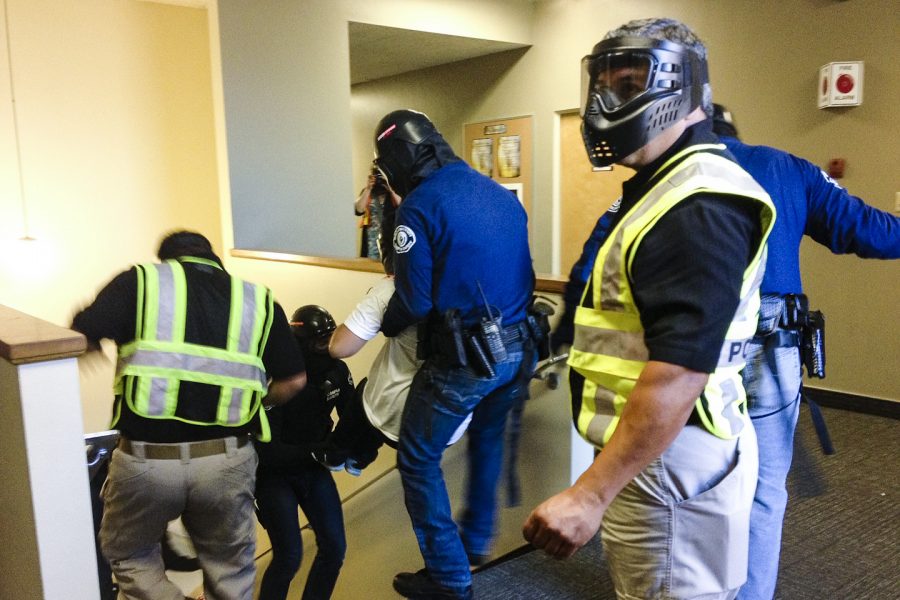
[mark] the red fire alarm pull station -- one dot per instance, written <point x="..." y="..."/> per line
<point x="836" y="168"/>
<point x="840" y="84"/>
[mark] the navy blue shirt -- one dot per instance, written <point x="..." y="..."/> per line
<point x="810" y="203"/>
<point x="458" y="229"/>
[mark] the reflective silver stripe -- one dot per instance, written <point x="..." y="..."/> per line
<point x="734" y="348"/>
<point x="621" y="344"/>
<point x="159" y="387"/>
<point x="604" y="413"/>
<point x="234" y="407"/>
<point x="729" y="409"/>
<point x="611" y="285"/>
<point x="246" y="341"/>
<point x="752" y="287"/>
<point x="197" y="364"/>
<point x="248" y="318"/>
<point x="166" y="302"/>
<point x="760" y="269"/>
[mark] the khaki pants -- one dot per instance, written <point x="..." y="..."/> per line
<point x="214" y="497"/>
<point x="680" y="529"/>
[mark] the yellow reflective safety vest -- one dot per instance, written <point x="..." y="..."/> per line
<point x="609" y="349"/>
<point x="151" y="368"/>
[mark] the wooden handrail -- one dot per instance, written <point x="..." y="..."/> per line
<point x="27" y="339"/>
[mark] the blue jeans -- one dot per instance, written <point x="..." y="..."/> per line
<point x="313" y="489"/>
<point x="772" y="378"/>
<point x="439" y="400"/>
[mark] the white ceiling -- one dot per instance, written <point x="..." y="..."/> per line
<point x="377" y="51"/>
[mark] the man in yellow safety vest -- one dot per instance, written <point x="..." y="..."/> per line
<point x="661" y="329"/>
<point x="199" y="353"/>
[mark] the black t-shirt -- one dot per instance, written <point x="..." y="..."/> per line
<point x="305" y="420"/>
<point x="688" y="270"/>
<point x="112" y="315"/>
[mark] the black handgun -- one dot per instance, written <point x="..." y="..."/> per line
<point x="539" y="326"/>
<point x="813" y="347"/>
<point x="453" y="349"/>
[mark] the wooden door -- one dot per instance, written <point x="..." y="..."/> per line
<point x="585" y="194"/>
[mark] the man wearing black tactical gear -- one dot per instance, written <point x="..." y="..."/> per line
<point x="288" y="476"/>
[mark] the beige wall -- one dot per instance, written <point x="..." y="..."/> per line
<point x="117" y="140"/>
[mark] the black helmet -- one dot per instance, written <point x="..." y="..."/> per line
<point x="633" y="88"/>
<point x="407" y="147"/>
<point x="723" y="121"/>
<point x="312" y="326"/>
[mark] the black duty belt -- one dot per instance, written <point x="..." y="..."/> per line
<point x="180" y="451"/>
<point x="514" y="333"/>
<point x="780" y="338"/>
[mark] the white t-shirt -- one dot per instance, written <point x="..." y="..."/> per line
<point x="393" y="369"/>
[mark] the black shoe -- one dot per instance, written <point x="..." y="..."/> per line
<point x="172" y="561"/>
<point x="329" y="458"/>
<point x="478" y="560"/>
<point x="420" y="586"/>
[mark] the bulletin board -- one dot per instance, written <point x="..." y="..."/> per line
<point x="501" y="149"/>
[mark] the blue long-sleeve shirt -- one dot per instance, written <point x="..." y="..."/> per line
<point x="807" y="201"/>
<point x="455" y="230"/>
<point x="811" y="203"/>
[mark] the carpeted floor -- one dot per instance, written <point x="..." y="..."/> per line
<point x="841" y="532"/>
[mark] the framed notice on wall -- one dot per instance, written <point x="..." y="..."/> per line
<point x="482" y="156"/>
<point x="501" y="149"/>
<point x="509" y="156"/>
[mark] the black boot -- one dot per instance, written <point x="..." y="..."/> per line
<point x="420" y="586"/>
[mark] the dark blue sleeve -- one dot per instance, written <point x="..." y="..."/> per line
<point x="413" y="266"/>
<point x="843" y="222"/>
<point x="578" y="276"/>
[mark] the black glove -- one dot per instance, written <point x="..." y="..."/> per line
<point x="564" y="334"/>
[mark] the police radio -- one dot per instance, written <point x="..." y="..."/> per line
<point x="490" y="331"/>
